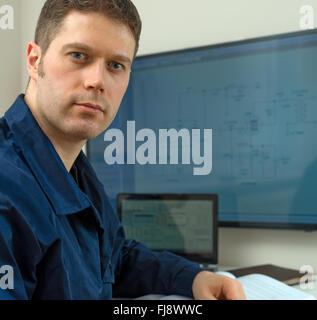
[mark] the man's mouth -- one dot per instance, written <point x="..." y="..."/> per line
<point x="90" y="107"/>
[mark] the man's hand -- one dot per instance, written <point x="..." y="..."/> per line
<point x="211" y="286"/>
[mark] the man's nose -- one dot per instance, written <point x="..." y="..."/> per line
<point x="95" y="77"/>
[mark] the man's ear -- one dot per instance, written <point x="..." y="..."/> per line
<point x="33" y="58"/>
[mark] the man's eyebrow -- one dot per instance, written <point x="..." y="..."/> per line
<point x="84" y="47"/>
<point x="77" y="46"/>
<point x="122" y="58"/>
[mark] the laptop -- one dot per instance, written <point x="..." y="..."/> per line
<point x="185" y="224"/>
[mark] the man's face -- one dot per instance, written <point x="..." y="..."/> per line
<point x="83" y="76"/>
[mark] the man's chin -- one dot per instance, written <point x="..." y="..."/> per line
<point x="84" y="135"/>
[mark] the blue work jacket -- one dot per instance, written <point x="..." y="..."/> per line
<point x="61" y="236"/>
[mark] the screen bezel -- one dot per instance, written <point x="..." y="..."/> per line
<point x="212" y="257"/>
<point x="277" y="36"/>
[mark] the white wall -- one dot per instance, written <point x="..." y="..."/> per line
<point x="10" y="52"/>
<point x="181" y="24"/>
<point x="178" y="24"/>
<point x="31" y="10"/>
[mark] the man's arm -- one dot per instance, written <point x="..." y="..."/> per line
<point x="141" y="271"/>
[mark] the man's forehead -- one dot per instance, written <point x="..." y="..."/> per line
<point x="91" y="31"/>
<point x="92" y="21"/>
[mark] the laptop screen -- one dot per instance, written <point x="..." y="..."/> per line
<point x="183" y="224"/>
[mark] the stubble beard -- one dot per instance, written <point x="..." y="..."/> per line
<point x="58" y="124"/>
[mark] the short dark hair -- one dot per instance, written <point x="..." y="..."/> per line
<point x="55" y="11"/>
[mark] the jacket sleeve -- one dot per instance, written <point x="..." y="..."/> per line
<point x="141" y="271"/>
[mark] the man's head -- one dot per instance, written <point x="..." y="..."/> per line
<point x="80" y="64"/>
<point x="54" y="13"/>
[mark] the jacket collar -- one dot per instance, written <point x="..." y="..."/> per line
<point x="47" y="167"/>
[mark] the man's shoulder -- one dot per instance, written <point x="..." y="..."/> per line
<point x="19" y="189"/>
<point x="23" y="203"/>
<point x="13" y="167"/>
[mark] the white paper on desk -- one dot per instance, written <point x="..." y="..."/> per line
<point x="261" y="287"/>
<point x="256" y="287"/>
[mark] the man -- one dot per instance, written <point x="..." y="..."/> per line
<point x="57" y="229"/>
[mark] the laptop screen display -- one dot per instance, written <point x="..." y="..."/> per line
<point x="180" y="224"/>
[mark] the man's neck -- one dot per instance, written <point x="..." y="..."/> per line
<point x="67" y="151"/>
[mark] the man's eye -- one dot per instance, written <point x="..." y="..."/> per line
<point x="116" y="65"/>
<point x="78" y="55"/>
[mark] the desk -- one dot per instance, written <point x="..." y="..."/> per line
<point x="310" y="288"/>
